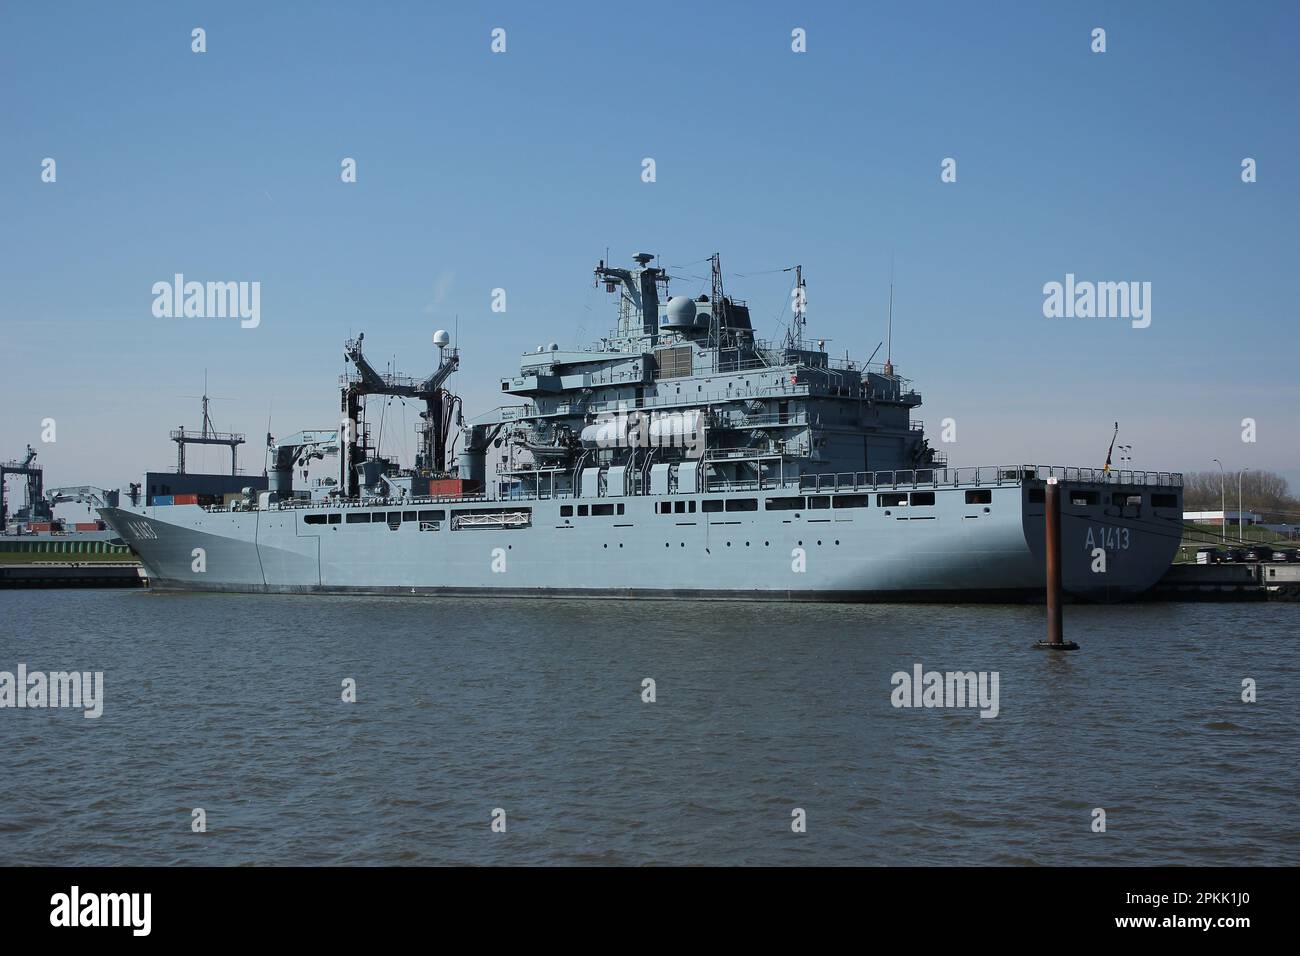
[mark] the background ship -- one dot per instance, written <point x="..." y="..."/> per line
<point x="679" y="456"/>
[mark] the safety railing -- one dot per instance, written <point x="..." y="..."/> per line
<point x="986" y="475"/>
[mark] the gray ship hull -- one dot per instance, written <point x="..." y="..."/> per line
<point x="939" y="544"/>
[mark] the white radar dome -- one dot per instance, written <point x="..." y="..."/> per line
<point x="441" y="338"/>
<point x="681" y="313"/>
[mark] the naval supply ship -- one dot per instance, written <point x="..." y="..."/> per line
<point x="678" y="456"/>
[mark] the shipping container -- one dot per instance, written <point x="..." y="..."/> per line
<point x="448" y="487"/>
<point x="42" y="526"/>
<point x="185" y="499"/>
<point x="161" y="500"/>
<point x="89" y="526"/>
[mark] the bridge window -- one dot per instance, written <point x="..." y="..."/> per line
<point x="819" y="502"/>
<point x="979" y="496"/>
<point x="438" y="515"/>
<point x="358" y="517"/>
<point x="1164" y="501"/>
<point x="891" y="499"/>
<point x="313" y="519"/>
<point x="602" y="509"/>
<point x="1124" y="498"/>
<point x="336" y="518"/>
<point x="566" y="511"/>
<point x="1083" y="498"/>
<point x="742" y="504"/>
<point x="922" y="499"/>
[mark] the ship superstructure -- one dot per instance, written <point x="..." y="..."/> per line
<point x="680" y="455"/>
<point x="683" y="393"/>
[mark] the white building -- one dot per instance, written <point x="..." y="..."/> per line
<point x="1216" y="517"/>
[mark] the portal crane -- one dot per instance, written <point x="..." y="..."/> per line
<point x="33" y="500"/>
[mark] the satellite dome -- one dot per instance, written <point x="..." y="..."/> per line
<point x="441" y="338"/>
<point x="680" y="314"/>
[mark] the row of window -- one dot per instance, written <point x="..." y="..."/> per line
<point x="1083" y="498"/>
<point x="566" y="511"/>
<point x="892" y="499"/>
<point x="378" y="517"/>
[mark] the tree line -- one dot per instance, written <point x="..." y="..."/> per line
<point x="1264" y="492"/>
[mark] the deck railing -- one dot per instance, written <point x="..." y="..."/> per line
<point x="991" y="475"/>
<point x="938" y="477"/>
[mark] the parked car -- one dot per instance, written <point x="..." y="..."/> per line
<point x="1282" y="554"/>
<point x="1209" y="556"/>
<point x="1259" y="552"/>
<point x="1234" y="555"/>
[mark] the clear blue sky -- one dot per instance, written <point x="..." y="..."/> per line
<point x="518" y="170"/>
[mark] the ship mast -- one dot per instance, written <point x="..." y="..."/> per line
<point x="715" y="319"/>
<point x="889" y="328"/>
<point x="794" y="335"/>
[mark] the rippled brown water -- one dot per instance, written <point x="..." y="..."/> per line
<point x="232" y="704"/>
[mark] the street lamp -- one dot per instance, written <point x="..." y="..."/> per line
<point x="1223" y="503"/>
<point x="1241" y="519"/>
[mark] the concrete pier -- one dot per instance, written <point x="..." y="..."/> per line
<point x="59" y="574"/>
<point x="1262" y="581"/>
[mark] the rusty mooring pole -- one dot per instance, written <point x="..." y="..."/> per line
<point x="1052" y="519"/>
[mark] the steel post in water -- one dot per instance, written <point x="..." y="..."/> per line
<point x="1052" y="520"/>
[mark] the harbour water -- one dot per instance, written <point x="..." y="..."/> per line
<point x="233" y="704"/>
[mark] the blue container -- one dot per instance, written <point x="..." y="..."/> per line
<point x="163" y="500"/>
